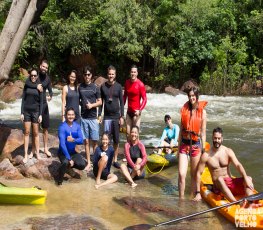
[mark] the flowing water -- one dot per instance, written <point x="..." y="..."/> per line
<point x="241" y="119"/>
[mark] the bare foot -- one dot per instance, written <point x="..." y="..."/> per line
<point x="30" y="156"/>
<point x="25" y="160"/>
<point x="48" y="153"/>
<point x="97" y="186"/>
<point x="133" y="185"/>
<point x="38" y="156"/>
<point x="87" y="168"/>
<point x="97" y="181"/>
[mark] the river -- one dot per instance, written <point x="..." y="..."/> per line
<point x="240" y="117"/>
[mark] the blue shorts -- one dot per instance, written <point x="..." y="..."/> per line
<point x="90" y="129"/>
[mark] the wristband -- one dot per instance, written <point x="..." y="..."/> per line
<point x="197" y="192"/>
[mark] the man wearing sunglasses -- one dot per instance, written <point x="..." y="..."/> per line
<point x="90" y="99"/>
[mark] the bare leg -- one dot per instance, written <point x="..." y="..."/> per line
<point x="27" y="126"/>
<point x="87" y="150"/>
<point x="182" y="171"/>
<point x="136" y="120"/>
<point x="128" y="127"/>
<point x="101" y="165"/>
<point x="164" y="143"/>
<point x="45" y="140"/>
<point x="36" y="139"/>
<point x="194" y="163"/>
<point x="116" y="152"/>
<point x="111" y="179"/>
<point x="127" y="175"/>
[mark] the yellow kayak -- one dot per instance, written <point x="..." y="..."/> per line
<point x="15" y="195"/>
<point x="247" y="218"/>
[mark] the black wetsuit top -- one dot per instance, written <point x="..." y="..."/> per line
<point x="112" y="100"/>
<point x="32" y="100"/>
<point x="46" y="84"/>
<point x="88" y="93"/>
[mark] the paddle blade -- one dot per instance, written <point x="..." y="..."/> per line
<point x="139" y="227"/>
<point x="207" y="146"/>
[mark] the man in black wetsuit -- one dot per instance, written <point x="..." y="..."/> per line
<point x="112" y="99"/>
<point x="45" y="84"/>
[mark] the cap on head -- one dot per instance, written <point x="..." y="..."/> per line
<point x="167" y="117"/>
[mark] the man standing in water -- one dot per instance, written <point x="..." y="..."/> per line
<point x="45" y="84"/>
<point x="218" y="160"/>
<point x="90" y="99"/>
<point x="112" y="99"/>
<point x="135" y="91"/>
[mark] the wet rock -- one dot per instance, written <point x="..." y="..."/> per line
<point x="145" y="204"/>
<point x="172" y="91"/>
<point x="11" y="92"/>
<point x="65" y="222"/>
<point x="8" y="171"/>
<point x="189" y="84"/>
<point x="19" y="84"/>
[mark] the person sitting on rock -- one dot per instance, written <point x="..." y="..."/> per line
<point x="103" y="157"/>
<point x="70" y="135"/>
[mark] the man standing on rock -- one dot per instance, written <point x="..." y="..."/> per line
<point x="90" y="99"/>
<point x="135" y="91"/>
<point x="45" y="85"/>
<point x="112" y="99"/>
<point x="70" y="135"/>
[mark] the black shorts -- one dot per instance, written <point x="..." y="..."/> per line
<point x="31" y="117"/>
<point x="104" y="175"/>
<point x="45" y="117"/>
<point x="112" y="127"/>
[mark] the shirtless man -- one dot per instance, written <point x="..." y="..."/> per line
<point x="218" y="160"/>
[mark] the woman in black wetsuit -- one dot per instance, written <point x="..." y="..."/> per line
<point x="31" y="110"/>
<point x="70" y="95"/>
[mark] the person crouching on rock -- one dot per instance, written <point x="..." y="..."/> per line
<point x="103" y="157"/>
<point x="70" y="135"/>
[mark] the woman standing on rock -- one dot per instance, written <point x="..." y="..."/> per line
<point x="31" y="110"/>
<point x="192" y="137"/>
<point x="70" y="95"/>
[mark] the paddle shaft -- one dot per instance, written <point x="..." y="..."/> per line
<point x="160" y="147"/>
<point x="257" y="196"/>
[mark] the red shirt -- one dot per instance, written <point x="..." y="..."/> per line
<point x="135" y="91"/>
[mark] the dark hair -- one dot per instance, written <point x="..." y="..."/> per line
<point x="218" y="130"/>
<point x="43" y="61"/>
<point x="76" y="81"/>
<point x="111" y="67"/>
<point x="30" y="71"/>
<point x="166" y="117"/>
<point x="196" y="93"/>
<point x="136" y="127"/>
<point x="87" y="68"/>
<point x="134" y="66"/>
<point x="69" y="109"/>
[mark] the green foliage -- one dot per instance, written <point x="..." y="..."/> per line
<point x="4" y="9"/>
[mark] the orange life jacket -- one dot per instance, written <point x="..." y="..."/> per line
<point x="192" y="122"/>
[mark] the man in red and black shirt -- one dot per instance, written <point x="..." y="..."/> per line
<point x="135" y="91"/>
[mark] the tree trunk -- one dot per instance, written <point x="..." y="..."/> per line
<point x="17" y="41"/>
<point x="15" y="15"/>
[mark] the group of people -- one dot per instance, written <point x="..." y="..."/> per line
<point x="83" y="128"/>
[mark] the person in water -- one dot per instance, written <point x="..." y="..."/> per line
<point x="102" y="162"/>
<point x="192" y="138"/>
<point x="136" y="158"/>
<point x="70" y="96"/>
<point x="218" y="161"/>
<point x="134" y="91"/>
<point x="31" y="112"/>
<point x="70" y="135"/>
<point x="170" y="135"/>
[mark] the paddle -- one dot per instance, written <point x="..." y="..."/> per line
<point x="160" y="147"/>
<point x="258" y="196"/>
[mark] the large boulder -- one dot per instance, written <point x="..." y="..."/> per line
<point x="148" y="89"/>
<point x="100" y="80"/>
<point x="8" y="171"/>
<point x="189" y="84"/>
<point x="11" y="92"/>
<point x="172" y="91"/>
